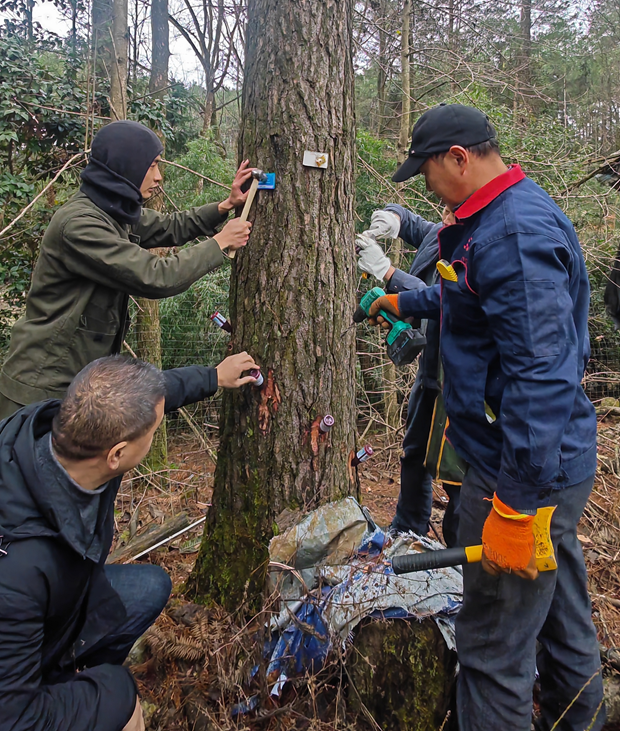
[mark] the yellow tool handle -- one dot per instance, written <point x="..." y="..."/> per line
<point x="246" y="208"/>
<point x="545" y="555"/>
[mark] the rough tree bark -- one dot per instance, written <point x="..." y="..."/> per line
<point x="148" y="326"/>
<point x="402" y="672"/>
<point x="292" y="295"/>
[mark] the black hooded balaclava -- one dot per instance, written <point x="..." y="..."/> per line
<point x="120" y="156"/>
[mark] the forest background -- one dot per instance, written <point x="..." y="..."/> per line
<point x="547" y="72"/>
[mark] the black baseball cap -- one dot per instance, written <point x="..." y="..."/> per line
<point x="440" y="128"/>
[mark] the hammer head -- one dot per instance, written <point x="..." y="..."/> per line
<point x="259" y="175"/>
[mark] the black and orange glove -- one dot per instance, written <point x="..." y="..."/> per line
<point x="389" y="304"/>
<point x="508" y="539"/>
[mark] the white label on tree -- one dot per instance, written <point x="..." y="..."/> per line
<point x="316" y="159"/>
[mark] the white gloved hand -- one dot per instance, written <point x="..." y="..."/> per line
<point x="372" y="259"/>
<point x="384" y="224"/>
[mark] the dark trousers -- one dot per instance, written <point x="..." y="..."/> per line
<point x="502" y="617"/>
<point x="415" y="500"/>
<point x="144" y="590"/>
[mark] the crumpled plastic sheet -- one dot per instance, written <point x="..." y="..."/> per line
<point x="357" y="581"/>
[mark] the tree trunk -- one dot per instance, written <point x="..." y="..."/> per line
<point x="118" y="69"/>
<point x="523" y="78"/>
<point x="148" y="348"/>
<point x="292" y="295"/>
<point x="381" y="66"/>
<point x="148" y="325"/>
<point x="208" y="110"/>
<point x="158" y="81"/>
<point x="390" y="399"/>
<point x="403" y="673"/>
<point x="28" y="12"/>
<point x="405" y="82"/>
<point x="102" y="14"/>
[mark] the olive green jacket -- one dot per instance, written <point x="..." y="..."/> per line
<point x="88" y="266"/>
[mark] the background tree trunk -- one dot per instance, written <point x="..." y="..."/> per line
<point x="148" y="347"/>
<point x="381" y="66"/>
<point x="102" y="14"/>
<point x="405" y="82"/>
<point x="148" y="327"/>
<point x="391" y="406"/>
<point x="292" y="295"/>
<point x="118" y="68"/>
<point x="523" y="79"/>
<point x="160" y="34"/>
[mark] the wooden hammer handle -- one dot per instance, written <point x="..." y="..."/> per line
<point x="246" y="208"/>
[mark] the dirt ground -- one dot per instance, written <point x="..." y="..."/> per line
<point x="149" y="499"/>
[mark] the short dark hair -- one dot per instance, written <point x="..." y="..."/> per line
<point x="111" y="400"/>
<point x="483" y="149"/>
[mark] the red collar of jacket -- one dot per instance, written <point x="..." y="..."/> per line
<point x="489" y="192"/>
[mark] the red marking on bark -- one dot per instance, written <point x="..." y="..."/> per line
<point x="316" y="435"/>
<point x="351" y="468"/>
<point x="269" y="402"/>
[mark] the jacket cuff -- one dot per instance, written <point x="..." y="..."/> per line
<point x="402" y="282"/>
<point x="189" y="385"/>
<point x="520" y="497"/>
<point x="211" y="216"/>
<point x="423" y="303"/>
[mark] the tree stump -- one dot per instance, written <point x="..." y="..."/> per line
<point x="402" y="672"/>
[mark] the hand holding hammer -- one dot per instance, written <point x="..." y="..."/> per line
<point x="258" y="176"/>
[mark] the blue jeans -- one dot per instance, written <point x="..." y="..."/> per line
<point x="502" y="617"/>
<point x="144" y="590"/>
<point x="415" y="500"/>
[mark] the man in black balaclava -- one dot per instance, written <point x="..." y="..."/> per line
<point x="94" y="256"/>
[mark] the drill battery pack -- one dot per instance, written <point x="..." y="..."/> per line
<point x="404" y="346"/>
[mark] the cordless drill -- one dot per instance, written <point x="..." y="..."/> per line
<point x="404" y="343"/>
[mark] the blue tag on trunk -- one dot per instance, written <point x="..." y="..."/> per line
<point x="269" y="184"/>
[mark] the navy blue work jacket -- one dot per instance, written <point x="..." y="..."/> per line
<point x="514" y="341"/>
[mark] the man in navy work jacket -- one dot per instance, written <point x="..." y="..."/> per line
<point x="514" y="346"/>
<point x="415" y="500"/>
<point x="67" y="621"/>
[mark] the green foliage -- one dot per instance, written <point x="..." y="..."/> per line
<point x="204" y="155"/>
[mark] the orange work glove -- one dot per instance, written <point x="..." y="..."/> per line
<point x="508" y="537"/>
<point x="388" y="303"/>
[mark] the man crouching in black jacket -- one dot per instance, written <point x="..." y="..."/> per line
<point x="68" y="621"/>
